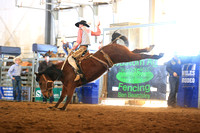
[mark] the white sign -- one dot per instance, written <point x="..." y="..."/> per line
<point x="114" y="88"/>
<point x="38" y="93"/>
<point x="188" y="80"/>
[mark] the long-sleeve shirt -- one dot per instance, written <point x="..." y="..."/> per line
<point x="15" y="70"/>
<point x="174" y="66"/>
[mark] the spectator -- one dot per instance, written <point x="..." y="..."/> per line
<point x="61" y="55"/>
<point x="42" y="67"/>
<point x="67" y="47"/>
<point x="174" y="69"/>
<point x="15" y="74"/>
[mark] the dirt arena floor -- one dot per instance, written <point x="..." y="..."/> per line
<point x="30" y="117"/>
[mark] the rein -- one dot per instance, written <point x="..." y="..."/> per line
<point x="66" y="60"/>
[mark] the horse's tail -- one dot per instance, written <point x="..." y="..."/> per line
<point x="116" y="36"/>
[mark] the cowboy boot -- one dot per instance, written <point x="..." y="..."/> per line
<point x="78" y="76"/>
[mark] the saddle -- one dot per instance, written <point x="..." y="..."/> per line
<point x="84" y="55"/>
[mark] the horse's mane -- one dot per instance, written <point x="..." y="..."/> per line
<point x="53" y="72"/>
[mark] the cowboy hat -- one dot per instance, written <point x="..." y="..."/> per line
<point x="17" y="58"/>
<point x="83" y="22"/>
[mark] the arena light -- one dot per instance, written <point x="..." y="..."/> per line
<point x="155" y="103"/>
<point x="188" y="28"/>
<point x="135" y="102"/>
<point x="113" y="102"/>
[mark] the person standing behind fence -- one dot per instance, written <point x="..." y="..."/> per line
<point x="174" y="69"/>
<point x="67" y="47"/>
<point x="15" y="74"/>
<point x="42" y="67"/>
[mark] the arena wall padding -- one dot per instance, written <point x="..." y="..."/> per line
<point x="44" y="48"/>
<point x="10" y="50"/>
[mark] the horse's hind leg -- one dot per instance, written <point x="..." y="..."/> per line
<point x="148" y="49"/>
<point x="145" y="56"/>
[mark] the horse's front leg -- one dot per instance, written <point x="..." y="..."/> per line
<point x="63" y="95"/>
<point x="69" y="97"/>
<point x="59" y="101"/>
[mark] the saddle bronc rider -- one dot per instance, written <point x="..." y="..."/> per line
<point x="83" y="40"/>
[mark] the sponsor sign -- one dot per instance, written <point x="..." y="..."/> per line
<point x="188" y="74"/>
<point x="142" y="79"/>
<point x="6" y="93"/>
<point x="56" y="93"/>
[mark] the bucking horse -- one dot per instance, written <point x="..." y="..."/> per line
<point x="92" y="66"/>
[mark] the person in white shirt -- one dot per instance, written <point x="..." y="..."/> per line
<point x="15" y="74"/>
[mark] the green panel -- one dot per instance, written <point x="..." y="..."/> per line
<point x="38" y="95"/>
<point x="56" y="93"/>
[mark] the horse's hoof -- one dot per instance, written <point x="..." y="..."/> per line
<point x="161" y="55"/>
<point x="51" y="108"/>
<point x="150" y="48"/>
<point x="62" y="109"/>
<point x="158" y="56"/>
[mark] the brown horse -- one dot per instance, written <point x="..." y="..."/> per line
<point x="93" y="67"/>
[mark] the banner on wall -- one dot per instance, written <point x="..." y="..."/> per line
<point x="56" y="93"/>
<point x="6" y="93"/>
<point x="142" y="79"/>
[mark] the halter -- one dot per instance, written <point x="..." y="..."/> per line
<point x="66" y="60"/>
<point x="47" y="81"/>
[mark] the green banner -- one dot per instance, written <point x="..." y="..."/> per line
<point x="56" y="93"/>
<point x="142" y="79"/>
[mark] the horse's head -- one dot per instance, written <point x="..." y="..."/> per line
<point x="46" y="84"/>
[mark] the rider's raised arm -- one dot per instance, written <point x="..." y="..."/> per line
<point x="98" y="32"/>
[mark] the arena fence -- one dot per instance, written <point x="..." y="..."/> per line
<point x="6" y="81"/>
